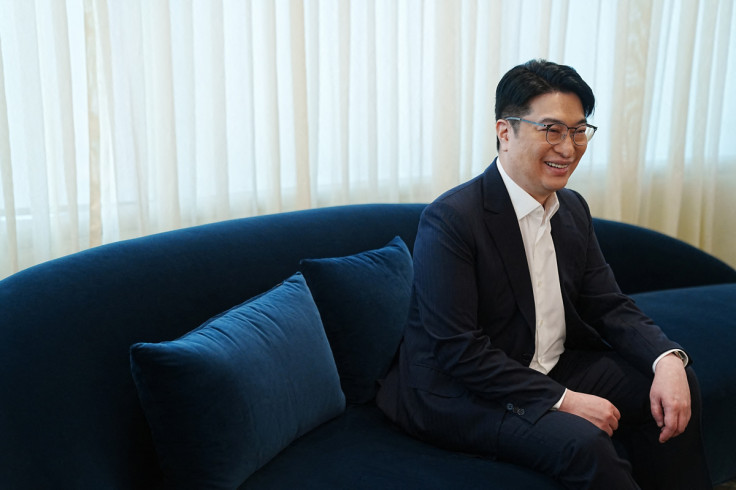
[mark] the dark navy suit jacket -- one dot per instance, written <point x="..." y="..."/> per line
<point x="463" y="362"/>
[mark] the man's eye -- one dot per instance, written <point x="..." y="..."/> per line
<point x="556" y="128"/>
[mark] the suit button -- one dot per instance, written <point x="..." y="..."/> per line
<point x="510" y="407"/>
<point x="521" y="411"/>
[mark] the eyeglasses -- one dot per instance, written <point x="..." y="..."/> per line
<point x="557" y="132"/>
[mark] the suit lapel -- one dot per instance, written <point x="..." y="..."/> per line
<point x="567" y="248"/>
<point x="503" y="227"/>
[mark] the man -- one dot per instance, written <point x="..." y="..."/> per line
<point x="519" y="344"/>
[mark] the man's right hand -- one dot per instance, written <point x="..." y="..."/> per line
<point x="596" y="410"/>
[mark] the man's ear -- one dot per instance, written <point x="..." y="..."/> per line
<point x="503" y="128"/>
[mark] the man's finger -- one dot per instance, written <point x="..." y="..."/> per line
<point x="667" y="431"/>
<point x="675" y="423"/>
<point x="657" y="412"/>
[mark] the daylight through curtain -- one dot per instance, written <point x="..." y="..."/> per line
<point x="119" y="119"/>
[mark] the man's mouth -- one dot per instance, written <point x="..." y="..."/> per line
<point x="557" y="165"/>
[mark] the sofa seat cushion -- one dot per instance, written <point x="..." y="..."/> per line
<point x="361" y="450"/>
<point x="703" y="320"/>
<point x="226" y="397"/>
<point x="363" y="300"/>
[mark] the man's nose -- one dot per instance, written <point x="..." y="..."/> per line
<point x="566" y="147"/>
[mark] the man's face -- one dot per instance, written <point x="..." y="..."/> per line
<point x="538" y="167"/>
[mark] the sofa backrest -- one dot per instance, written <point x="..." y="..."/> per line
<point x="645" y="260"/>
<point x="69" y="412"/>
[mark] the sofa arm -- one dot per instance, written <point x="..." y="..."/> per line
<point x="645" y="260"/>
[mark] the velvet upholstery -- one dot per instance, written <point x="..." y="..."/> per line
<point x="227" y="397"/>
<point x="366" y="453"/>
<point x="69" y="411"/>
<point x="363" y="300"/>
<point x="70" y="416"/>
<point x="646" y="260"/>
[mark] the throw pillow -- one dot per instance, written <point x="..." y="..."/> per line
<point x="226" y="397"/>
<point x="364" y="303"/>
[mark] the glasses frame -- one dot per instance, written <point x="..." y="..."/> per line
<point x="564" y="135"/>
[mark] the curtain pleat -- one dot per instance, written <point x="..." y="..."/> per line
<point x="9" y="237"/>
<point x="120" y="119"/>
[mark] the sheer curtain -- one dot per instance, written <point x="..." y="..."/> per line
<point x="124" y="118"/>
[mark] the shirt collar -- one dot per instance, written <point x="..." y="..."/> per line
<point x="522" y="201"/>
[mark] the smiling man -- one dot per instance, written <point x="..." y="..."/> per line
<point x="519" y="344"/>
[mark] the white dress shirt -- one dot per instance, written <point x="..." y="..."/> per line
<point x="534" y="222"/>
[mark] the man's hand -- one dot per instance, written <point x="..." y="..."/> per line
<point x="670" y="397"/>
<point x="596" y="410"/>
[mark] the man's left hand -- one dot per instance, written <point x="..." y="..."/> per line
<point x="670" y="397"/>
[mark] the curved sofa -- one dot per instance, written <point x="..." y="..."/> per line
<point x="73" y="416"/>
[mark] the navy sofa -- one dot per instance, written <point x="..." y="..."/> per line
<point x="70" y="413"/>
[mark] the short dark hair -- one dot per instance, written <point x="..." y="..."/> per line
<point x="536" y="77"/>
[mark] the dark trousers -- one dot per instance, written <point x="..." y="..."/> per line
<point x="580" y="455"/>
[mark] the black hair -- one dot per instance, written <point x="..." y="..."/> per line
<point x="522" y="83"/>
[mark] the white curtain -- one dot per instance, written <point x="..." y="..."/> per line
<point x="121" y="118"/>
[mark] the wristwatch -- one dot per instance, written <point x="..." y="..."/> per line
<point x="682" y="356"/>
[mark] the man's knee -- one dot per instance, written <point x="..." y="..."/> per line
<point x="590" y="460"/>
<point x="588" y="449"/>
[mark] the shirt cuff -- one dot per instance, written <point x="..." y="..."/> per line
<point x="557" y="405"/>
<point x="680" y="353"/>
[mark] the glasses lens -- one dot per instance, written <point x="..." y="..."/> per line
<point x="555" y="133"/>
<point x="589" y="132"/>
<point x="582" y="134"/>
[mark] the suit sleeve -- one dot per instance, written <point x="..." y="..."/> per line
<point x="447" y="296"/>
<point x="601" y="305"/>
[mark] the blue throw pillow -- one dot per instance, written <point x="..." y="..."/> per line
<point x="364" y="303"/>
<point x="226" y="397"/>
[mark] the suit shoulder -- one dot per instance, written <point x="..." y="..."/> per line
<point x="462" y="195"/>
<point x="573" y="200"/>
<point x="457" y="209"/>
